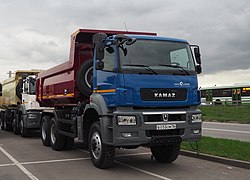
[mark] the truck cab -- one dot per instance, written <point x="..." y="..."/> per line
<point x="145" y="90"/>
<point x="20" y="111"/>
<point x="122" y="90"/>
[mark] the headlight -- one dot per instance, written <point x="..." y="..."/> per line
<point x="126" y="120"/>
<point x="196" y="118"/>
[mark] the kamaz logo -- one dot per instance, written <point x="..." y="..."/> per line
<point x="164" y="95"/>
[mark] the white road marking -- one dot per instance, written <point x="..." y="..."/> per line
<point x="4" y="165"/>
<point x="133" y="154"/>
<point x="54" y="161"/>
<point x="143" y="171"/>
<point x="225" y="130"/>
<point x="120" y="155"/>
<point x="21" y="167"/>
<point x="132" y="167"/>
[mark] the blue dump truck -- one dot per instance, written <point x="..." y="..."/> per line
<point x="130" y="90"/>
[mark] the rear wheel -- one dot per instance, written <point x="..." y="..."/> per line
<point x="45" y="130"/>
<point x="102" y="155"/>
<point x="57" y="140"/>
<point x="23" y="131"/>
<point x="167" y="153"/>
<point x="68" y="143"/>
<point x="2" y="121"/>
<point x="7" y="123"/>
<point x="16" y="127"/>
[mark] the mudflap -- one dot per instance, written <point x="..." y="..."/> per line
<point x="165" y="140"/>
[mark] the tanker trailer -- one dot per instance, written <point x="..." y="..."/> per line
<point x="19" y="109"/>
<point x="122" y="90"/>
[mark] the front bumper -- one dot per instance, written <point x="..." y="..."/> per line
<point x="32" y="120"/>
<point x="150" y="126"/>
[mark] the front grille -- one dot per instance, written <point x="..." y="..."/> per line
<point x="159" y="117"/>
<point x="172" y="132"/>
<point x="163" y="94"/>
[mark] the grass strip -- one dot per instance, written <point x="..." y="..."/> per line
<point x="233" y="149"/>
<point x="238" y="114"/>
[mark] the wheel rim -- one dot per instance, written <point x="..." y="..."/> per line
<point x="96" y="145"/>
<point x="52" y="134"/>
<point x="44" y="131"/>
<point x="89" y="76"/>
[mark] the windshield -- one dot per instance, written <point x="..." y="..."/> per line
<point x="162" y="57"/>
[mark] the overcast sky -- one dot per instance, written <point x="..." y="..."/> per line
<point x="36" y="34"/>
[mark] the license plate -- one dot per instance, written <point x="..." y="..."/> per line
<point x="165" y="126"/>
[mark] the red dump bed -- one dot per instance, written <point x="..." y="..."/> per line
<point x="57" y="86"/>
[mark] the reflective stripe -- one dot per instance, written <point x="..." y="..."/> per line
<point x="104" y="91"/>
<point x="58" y="95"/>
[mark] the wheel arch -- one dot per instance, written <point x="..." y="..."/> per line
<point x="91" y="115"/>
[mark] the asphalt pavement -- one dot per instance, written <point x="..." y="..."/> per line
<point x="26" y="158"/>
<point x="226" y="130"/>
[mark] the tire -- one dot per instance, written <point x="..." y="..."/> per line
<point x="68" y="143"/>
<point x="57" y="140"/>
<point x="166" y="154"/>
<point x="7" y="124"/>
<point x="23" y="131"/>
<point x="4" y="124"/>
<point x="84" y="78"/>
<point x="45" y="130"/>
<point x="15" y="125"/>
<point x="102" y="155"/>
<point x="2" y="120"/>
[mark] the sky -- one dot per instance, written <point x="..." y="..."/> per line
<point x="36" y="34"/>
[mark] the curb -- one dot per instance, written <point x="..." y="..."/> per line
<point x="231" y="162"/>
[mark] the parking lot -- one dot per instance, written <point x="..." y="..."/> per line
<point x="26" y="158"/>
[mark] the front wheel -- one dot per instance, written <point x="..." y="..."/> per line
<point x="166" y="154"/>
<point x="102" y="155"/>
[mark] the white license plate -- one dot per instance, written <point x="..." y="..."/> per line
<point x="165" y="126"/>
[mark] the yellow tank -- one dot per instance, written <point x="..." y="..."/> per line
<point x="11" y="88"/>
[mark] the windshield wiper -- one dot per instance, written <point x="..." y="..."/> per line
<point x="174" y="66"/>
<point x="141" y="65"/>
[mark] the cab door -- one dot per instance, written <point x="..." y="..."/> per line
<point x="106" y="78"/>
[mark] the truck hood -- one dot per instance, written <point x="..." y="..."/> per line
<point x="160" y="90"/>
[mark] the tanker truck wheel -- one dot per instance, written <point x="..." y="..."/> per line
<point x="167" y="153"/>
<point x="57" y="140"/>
<point x="84" y="78"/>
<point x="45" y="130"/>
<point x="102" y="155"/>
<point x="15" y="125"/>
<point x="23" y="131"/>
<point x="2" y="120"/>
<point x="7" y="124"/>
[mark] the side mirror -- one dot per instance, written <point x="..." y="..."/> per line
<point x="99" y="65"/>
<point x="197" y="55"/>
<point x="198" y="69"/>
<point x="99" y="47"/>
